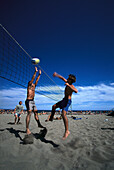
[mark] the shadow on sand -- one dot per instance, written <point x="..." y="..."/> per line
<point x="15" y="132"/>
<point x="107" y="128"/>
<point x="41" y="136"/>
<point x="11" y="123"/>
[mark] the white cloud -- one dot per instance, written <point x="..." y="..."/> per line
<point x="94" y="97"/>
<point x="88" y="97"/>
<point x="112" y="84"/>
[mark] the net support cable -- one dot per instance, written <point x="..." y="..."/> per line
<point x="16" y="67"/>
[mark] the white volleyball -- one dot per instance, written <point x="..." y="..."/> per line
<point x="35" y="61"/>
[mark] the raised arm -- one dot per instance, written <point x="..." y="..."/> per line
<point x="38" y="77"/>
<point x="59" y="76"/>
<point x="72" y="87"/>
<point x="34" y="75"/>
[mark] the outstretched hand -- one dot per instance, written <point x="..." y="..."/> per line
<point x="55" y="74"/>
<point x="36" y="69"/>
<point x="39" y="72"/>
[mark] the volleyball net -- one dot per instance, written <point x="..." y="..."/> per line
<point x="16" y="66"/>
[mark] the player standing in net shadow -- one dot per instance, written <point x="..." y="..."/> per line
<point x="30" y="103"/>
<point x="66" y="102"/>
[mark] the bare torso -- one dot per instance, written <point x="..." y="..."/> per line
<point x="68" y="92"/>
<point x="31" y="91"/>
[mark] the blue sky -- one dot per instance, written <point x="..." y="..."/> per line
<point x="75" y="37"/>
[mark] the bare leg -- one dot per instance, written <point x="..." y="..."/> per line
<point x="53" y="112"/>
<point x="48" y="118"/>
<point x="15" y="119"/>
<point x="18" y="120"/>
<point x="27" y="122"/>
<point x="37" y="119"/>
<point x="65" y="120"/>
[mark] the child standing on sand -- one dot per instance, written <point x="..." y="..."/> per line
<point x="66" y="102"/>
<point x="18" y="111"/>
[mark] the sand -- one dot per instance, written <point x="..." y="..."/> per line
<point x="90" y="144"/>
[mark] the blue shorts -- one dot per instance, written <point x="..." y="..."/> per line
<point x="64" y="104"/>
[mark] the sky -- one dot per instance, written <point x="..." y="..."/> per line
<point x="69" y="37"/>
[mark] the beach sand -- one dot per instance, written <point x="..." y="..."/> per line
<point x="90" y="144"/>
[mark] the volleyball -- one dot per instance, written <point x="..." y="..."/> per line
<point x="35" y="61"/>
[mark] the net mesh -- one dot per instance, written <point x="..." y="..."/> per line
<point x="16" y="66"/>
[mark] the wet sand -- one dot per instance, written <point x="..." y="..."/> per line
<point x="90" y="144"/>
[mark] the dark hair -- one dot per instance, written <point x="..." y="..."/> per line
<point x="28" y="82"/>
<point x="20" y="102"/>
<point x="72" y="77"/>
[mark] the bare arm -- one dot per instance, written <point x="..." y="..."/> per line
<point x="34" y="75"/>
<point x="38" y="77"/>
<point x="72" y="87"/>
<point x="59" y="76"/>
<point x="14" y="110"/>
<point x="21" y="111"/>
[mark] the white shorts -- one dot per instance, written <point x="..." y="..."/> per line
<point x="17" y="114"/>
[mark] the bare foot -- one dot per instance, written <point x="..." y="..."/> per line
<point x="51" y="119"/>
<point x="28" y="132"/>
<point x="66" y="135"/>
